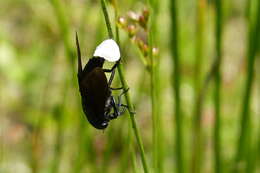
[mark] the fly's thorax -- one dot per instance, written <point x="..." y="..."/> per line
<point x="93" y="63"/>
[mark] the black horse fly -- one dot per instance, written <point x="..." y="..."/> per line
<point x="95" y="90"/>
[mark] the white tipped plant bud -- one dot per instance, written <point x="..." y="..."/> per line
<point x="109" y="50"/>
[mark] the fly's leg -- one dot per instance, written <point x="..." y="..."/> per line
<point x="120" y="96"/>
<point x="111" y="78"/>
<point x="112" y="71"/>
<point x="120" y="88"/>
<point x="112" y="104"/>
<point x="120" y="105"/>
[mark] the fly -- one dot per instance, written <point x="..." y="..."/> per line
<point x="95" y="90"/>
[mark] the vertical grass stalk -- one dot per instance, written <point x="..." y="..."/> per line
<point x="245" y="137"/>
<point x="64" y="29"/>
<point x="196" y="133"/>
<point x="155" y="124"/>
<point x="83" y="147"/>
<point x="201" y="5"/>
<point x="58" y="115"/>
<point x="127" y="97"/>
<point x="217" y="90"/>
<point x="154" y="81"/>
<point x="70" y="54"/>
<point x="176" y="79"/>
<point x="128" y="149"/>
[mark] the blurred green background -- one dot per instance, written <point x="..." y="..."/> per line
<point x="43" y="127"/>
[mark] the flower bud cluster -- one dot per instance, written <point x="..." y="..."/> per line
<point x="136" y="26"/>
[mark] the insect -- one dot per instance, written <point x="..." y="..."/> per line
<point x="98" y="103"/>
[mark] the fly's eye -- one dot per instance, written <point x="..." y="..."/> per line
<point x="108" y="50"/>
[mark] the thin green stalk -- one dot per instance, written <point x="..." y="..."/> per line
<point x="83" y="146"/>
<point x="256" y="153"/>
<point x="58" y="114"/>
<point x="245" y="136"/>
<point x="127" y="97"/>
<point x="128" y="151"/>
<point x="156" y="119"/>
<point x="128" y="147"/>
<point x="84" y="17"/>
<point x="132" y="117"/>
<point x="69" y="51"/>
<point x="133" y="159"/>
<point x="217" y="92"/>
<point x="256" y="150"/>
<point x="64" y="29"/>
<point x="159" y="118"/>
<point x="106" y="16"/>
<point x="83" y="143"/>
<point x="116" y="17"/>
<point x="200" y="20"/>
<point x="176" y="79"/>
<point x="196" y="132"/>
<point x="59" y="111"/>
<point x="198" y="135"/>
<point x="160" y="127"/>
<point x="254" y="145"/>
<point x="128" y="142"/>
<point x="112" y="138"/>
<point x="155" y="124"/>
<point x="124" y="161"/>
<point x="40" y="120"/>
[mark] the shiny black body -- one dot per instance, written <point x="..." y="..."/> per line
<point x="97" y="101"/>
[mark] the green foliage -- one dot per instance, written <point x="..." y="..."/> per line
<point x="192" y="70"/>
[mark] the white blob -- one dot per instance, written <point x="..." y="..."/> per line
<point x="108" y="50"/>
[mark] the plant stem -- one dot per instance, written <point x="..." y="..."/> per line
<point x="201" y="5"/>
<point x="58" y="113"/>
<point x="176" y="87"/>
<point x="132" y="117"/>
<point x="128" y="147"/>
<point x="70" y="54"/>
<point x="64" y="29"/>
<point x="106" y="16"/>
<point x="245" y="137"/>
<point x="197" y="136"/>
<point x="154" y="82"/>
<point x="255" y="150"/>
<point x="217" y="93"/>
<point x="154" y="109"/>
<point x="196" y="132"/>
<point x="83" y="146"/>
<point x="127" y="97"/>
<point x="37" y="129"/>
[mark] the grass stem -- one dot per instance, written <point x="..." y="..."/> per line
<point x="196" y="132"/>
<point x="127" y="97"/>
<point x="176" y="79"/>
<point x="217" y="92"/>
<point x="154" y="82"/>
<point x="245" y="117"/>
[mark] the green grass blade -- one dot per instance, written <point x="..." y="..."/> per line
<point x="217" y="89"/>
<point x="158" y="158"/>
<point x="245" y="117"/>
<point x="176" y="87"/>
<point x="127" y="97"/>
<point x="196" y="132"/>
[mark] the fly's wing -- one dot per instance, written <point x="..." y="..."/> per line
<point x="95" y="91"/>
